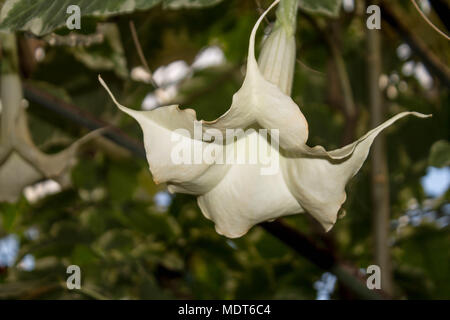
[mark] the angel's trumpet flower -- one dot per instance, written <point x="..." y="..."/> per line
<point x="237" y="196"/>
<point x="21" y="162"/>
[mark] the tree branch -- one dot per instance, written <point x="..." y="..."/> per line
<point x="433" y="64"/>
<point x="322" y="258"/>
<point x="379" y="172"/>
<point x="82" y="118"/>
<point x="138" y="46"/>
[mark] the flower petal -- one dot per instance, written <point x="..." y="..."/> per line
<point x="245" y="197"/>
<point x="318" y="183"/>
<point x="262" y="102"/>
<point x="50" y="165"/>
<point x="167" y="129"/>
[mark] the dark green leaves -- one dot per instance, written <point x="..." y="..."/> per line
<point x="43" y="16"/>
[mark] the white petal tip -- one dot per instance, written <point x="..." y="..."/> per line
<point x="417" y="114"/>
<point x="101" y="80"/>
<point x="251" y="60"/>
<point x="129" y="111"/>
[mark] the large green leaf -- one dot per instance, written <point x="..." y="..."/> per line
<point x="326" y="7"/>
<point x="43" y="16"/>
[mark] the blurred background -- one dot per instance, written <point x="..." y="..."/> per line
<point x="134" y="240"/>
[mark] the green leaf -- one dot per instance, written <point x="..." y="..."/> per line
<point x="121" y="182"/>
<point x="43" y="16"/>
<point x="440" y="154"/>
<point x="8" y="212"/>
<point x="325" y="7"/>
<point x="85" y="175"/>
<point x="177" y="4"/>
<point x="83" y="255"/>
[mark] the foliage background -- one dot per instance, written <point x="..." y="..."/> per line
<point x="131" y="245"/>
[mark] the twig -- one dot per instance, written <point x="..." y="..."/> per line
<point x="83" y="118"/>
<point x="302" y="64"/>
<point x="137" y="44"/>
<point x="261" y="10"/>
<point x="322" y="258"/>
<point x="429" y="21"/>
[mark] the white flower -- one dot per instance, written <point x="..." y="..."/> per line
<point x="22" y="163"/>
<point x="238" y="196"/>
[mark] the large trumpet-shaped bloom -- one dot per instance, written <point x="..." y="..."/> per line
<point x="236" y="196"/>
